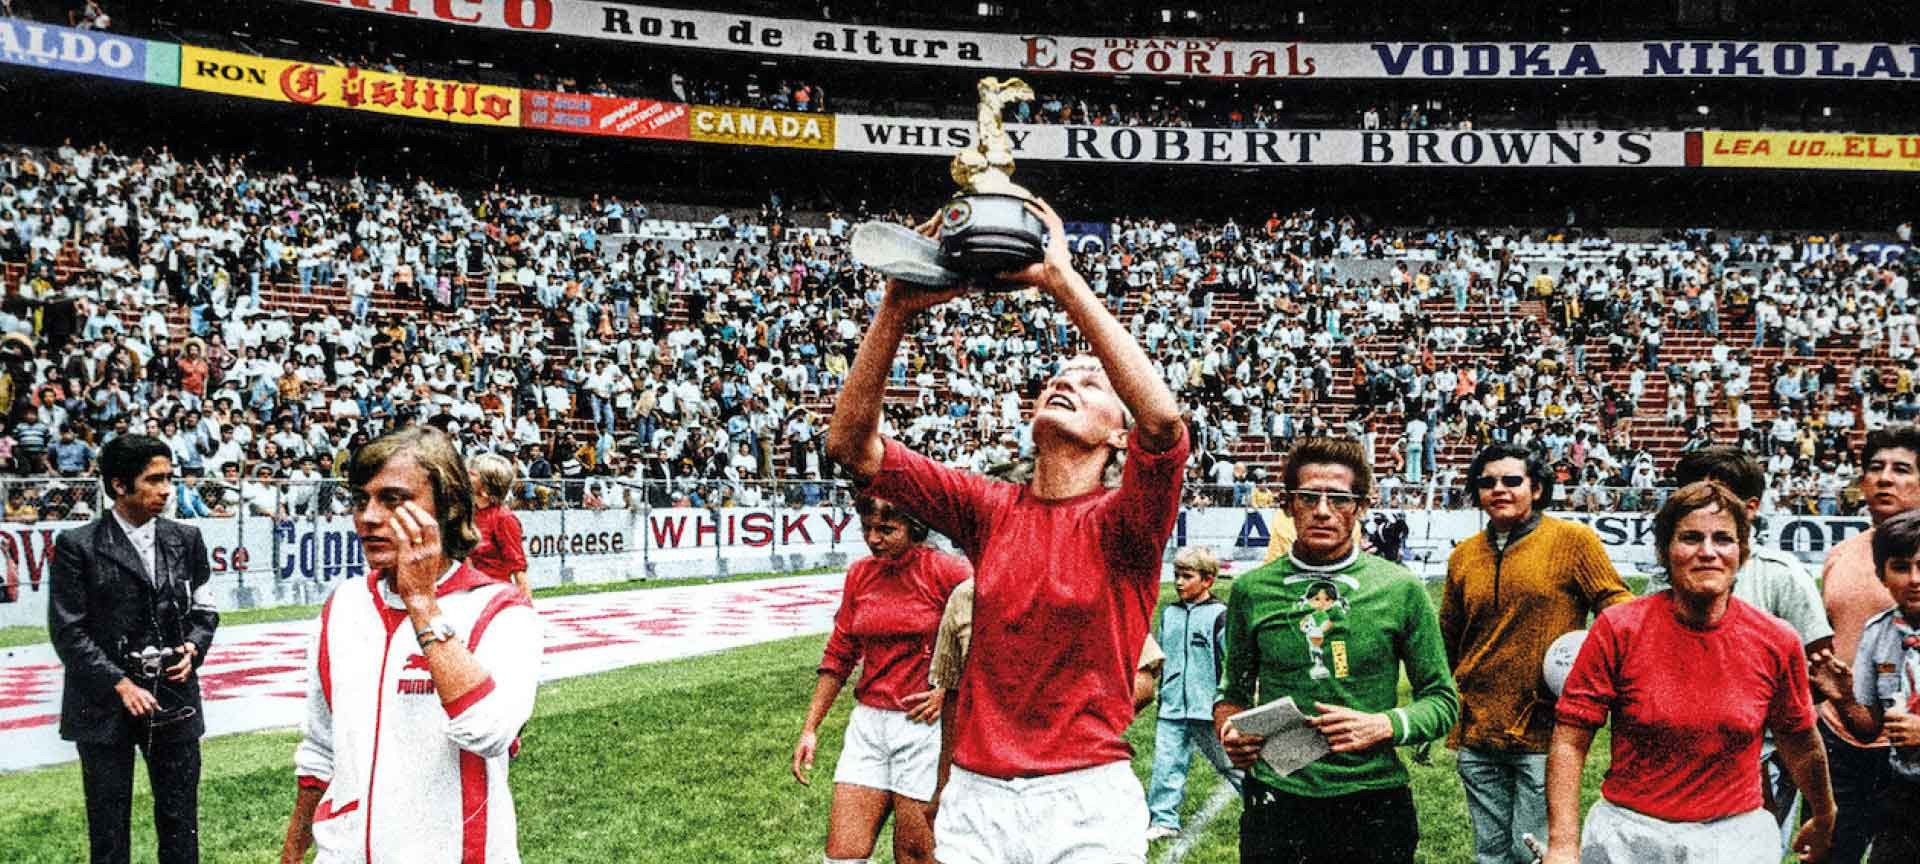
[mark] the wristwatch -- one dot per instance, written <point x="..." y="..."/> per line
<point x="438" y="630"/>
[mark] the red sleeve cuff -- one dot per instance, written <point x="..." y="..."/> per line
<point x="891" y="454"/>
<point x="313" y="783"/>
<point x="469" y="699"/>
<point x="1805" y="724"/>
<point x="838" y="670"/>
<point x="1579" y="716"/>
<point x="1136" y="447"/>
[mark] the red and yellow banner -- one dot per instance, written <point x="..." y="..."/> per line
<point x="348" y="87"/>
<point x="586" y="114"/>
<point x="759" y="128"/>
<point x="1805" y="150"/>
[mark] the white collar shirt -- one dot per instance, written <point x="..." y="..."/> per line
<point x="142" y="539"/>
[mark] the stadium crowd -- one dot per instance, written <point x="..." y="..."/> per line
<point x="200" y="301"/>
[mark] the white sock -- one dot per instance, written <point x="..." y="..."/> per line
<point x="826" y="860"/>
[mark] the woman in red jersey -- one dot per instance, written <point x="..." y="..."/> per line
<point x="1690" y="677"/>
<point x="888" y="617"/>
<point x="1066" y="574"/>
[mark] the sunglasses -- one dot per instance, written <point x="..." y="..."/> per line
<point x="1511" y="481"/>
<point x="1313" y="498"/>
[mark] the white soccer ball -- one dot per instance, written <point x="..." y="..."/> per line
<point x="1559" y="660"/>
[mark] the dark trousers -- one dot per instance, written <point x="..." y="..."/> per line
<point x="1861" y="777"/>
<point x="1899" y="838"/>
<point x="106" y="774"/>
<point x="1362" y="828"/>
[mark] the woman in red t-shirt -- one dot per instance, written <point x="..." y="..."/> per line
<point x="1691" y="677"/>
<point x="888" y="618"/>
<point x="1067" y="572"/>
<point x="501" y="552"/>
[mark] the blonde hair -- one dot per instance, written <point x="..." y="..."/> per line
<point x="1199" y="559"/>
<point x="495" y="474"/>
<point x="433" y="451"/>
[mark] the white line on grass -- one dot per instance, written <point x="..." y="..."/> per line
<point x="1189" y="838"/>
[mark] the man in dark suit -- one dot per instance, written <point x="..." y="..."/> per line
<point x="125" y="584"/>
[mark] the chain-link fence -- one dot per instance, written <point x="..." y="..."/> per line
<point x="1392" y="493"/>
<point x="278" y="542"/>
<point x="286" y="542"/>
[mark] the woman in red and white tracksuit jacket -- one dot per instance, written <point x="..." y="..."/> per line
<point x="407" y="778"/>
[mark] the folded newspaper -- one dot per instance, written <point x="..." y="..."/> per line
<point x="1291" y="743"/>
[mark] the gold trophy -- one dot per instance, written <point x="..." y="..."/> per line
<point x="985" y="229"/>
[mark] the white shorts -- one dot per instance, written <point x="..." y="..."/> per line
<point x="1617" y="835"/>
<point x="1094" y="815"/>
<point x="884" y="750"/>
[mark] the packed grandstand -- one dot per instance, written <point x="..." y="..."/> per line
<point x="269" y="320"/>
<point x="265" y="313"/>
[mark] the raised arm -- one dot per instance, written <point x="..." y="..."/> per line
<point x="1156" y="413"/>
<point x="853" y="433"/>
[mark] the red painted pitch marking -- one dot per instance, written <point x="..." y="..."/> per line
<point x="604" y="616"/>
<point x="36" y="669"/>
<point x="219" y="684"/>
<point x="590" y="643"/>
<point x="29" y="722"/>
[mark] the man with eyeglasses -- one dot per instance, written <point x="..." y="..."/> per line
<point x="1331" y="627"/>
<point x="1510" y="592"/>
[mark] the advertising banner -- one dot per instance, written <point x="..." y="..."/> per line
<point x="88" y="52"/>
<point x="715" y="125"/>
<point x="1241" y="535"/>
<point x="1145" y="54"/>
<point x="1881" y="254"/>
<point x="1588" y="148"/>
<point x="347" y="87"/>
<point x="263" y="563"/>
<point x="233" y="74"/>
<point x="1809" y="150"/>
<point x="260" y="562"/>
<point x="587" y="114"/>
<point x="1087" y="238"/>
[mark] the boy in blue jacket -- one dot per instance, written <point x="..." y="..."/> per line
<point x="1192" y="632"/>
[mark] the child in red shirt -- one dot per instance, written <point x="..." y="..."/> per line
<point x="502" y="550"/>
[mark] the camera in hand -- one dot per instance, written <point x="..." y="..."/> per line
<point x="148" y="668"/>
<point x="153" y="662"/>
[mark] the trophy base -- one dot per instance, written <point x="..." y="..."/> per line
<point x="985" y="234"/>
<point x="901" y="253"/>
